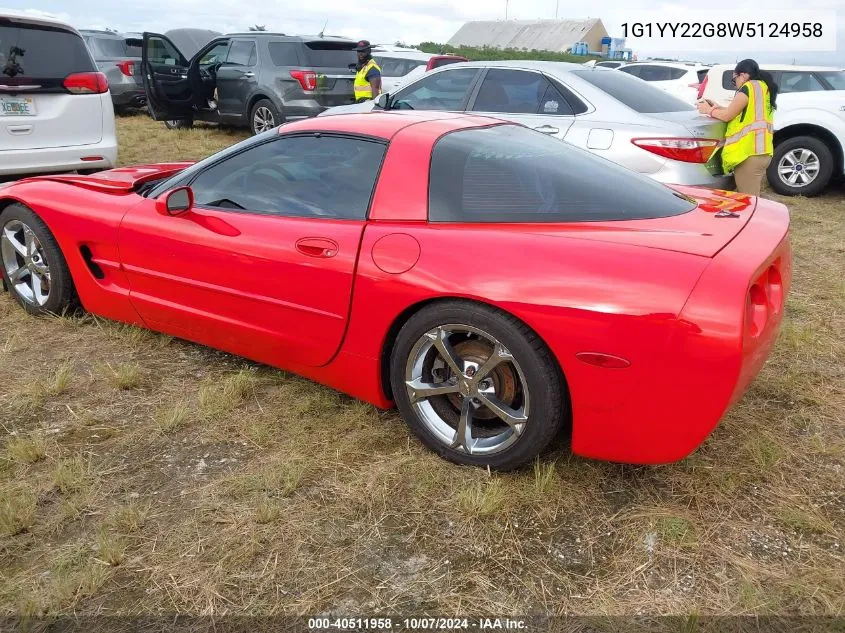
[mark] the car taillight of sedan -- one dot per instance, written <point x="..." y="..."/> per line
<point x="688" y="150"/>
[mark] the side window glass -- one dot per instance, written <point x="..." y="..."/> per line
<point x="512" y="91"/>
<point x="302" y="176"/>
<point x="215" y="55"/>
<point x="446" y="90"/>
<point x="242" y="53"/>
<point x="161" y="51"/>
<point x="799" y="82"/>
<point x="553" y="102"/>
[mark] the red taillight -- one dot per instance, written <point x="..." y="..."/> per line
<point x="86" y="83"/>
<point x="702" y="86"/>
<point x="688" y="150"/>
<point x="765" y="299"/>
<point x="306" y="78"/>
<point x="757" y="310"/>
<point x="126" y="67"/>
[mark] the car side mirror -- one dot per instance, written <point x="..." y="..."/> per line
<point x="176" y="201"/>
<point x="383" y="101"/>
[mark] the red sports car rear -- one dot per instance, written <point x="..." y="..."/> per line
<point x="496" y="285"/>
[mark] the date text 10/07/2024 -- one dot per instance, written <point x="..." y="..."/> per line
<point x="417" y="624"/>
<point x="722" y="29"/>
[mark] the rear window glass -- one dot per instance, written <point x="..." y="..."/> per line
<point x="41" y="53"/>
<point x="728" y="80"/>
<point x="702" y="74"/>
<point x="108" y="47"/>
<point x="632" y="92"/>
<point x="509" y="173"/>
<point x="835" y="79"/>
<point x="331" y="54"/>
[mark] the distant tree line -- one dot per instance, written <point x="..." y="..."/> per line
<point x="488" y="53"/>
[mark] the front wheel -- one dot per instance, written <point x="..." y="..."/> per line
<point x="476" y="385"/>
<point x="33" y="267"/>
<point x="801" y="166"/>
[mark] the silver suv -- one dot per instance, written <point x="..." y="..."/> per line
<point x="119" y="59"/>
<point x="609" y="113"/>
<point x="256" y="79"/>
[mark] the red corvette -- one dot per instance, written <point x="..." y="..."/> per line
<point x="497" y="285"/>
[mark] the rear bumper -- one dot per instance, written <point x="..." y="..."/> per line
<point x="130" y="98"/>
<point x="676" y="172"/>
<point x="712" y="355"/>
<point x="59" y="159"/>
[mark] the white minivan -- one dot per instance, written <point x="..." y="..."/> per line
<point x="56" y="112"/>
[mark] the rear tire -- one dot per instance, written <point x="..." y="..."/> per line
<point x="33" y="267"/>
<point x="807" y="166"/>
<point x="526" y="386"/>
<point x="264" y="116"/>
<point x="179" y="124"/>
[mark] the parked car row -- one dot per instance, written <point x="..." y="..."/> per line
<point x="638" y="115"/>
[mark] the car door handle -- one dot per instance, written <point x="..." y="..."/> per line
<point x="248" y="75"/>
<point x="547" y="129"/>
<point x="317" y="247"/>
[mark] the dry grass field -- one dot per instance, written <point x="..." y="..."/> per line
<point x="140" y="474"/>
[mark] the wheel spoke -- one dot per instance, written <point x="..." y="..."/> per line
<point x="29" y="236"/>
<point x="500" y="355"/>
<point x="793" y="178"/>
<point x="18" y="275"/>
<point x="789" y="159"/>
<point x="512" y="417"/>
<point x="463" y="436"/>
<point x="812" y="168"/>
<point x="803" y="156"/>
<point x="9" y="237"/>
<point x="440" y="338"/>
<point x="41" y="268"/>
<point x="786" y="170"/>
<point x="419" y="390"/>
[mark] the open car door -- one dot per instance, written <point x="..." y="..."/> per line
<point x="170" y="93"/>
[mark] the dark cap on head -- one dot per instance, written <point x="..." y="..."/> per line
<point x="363" y="46"/>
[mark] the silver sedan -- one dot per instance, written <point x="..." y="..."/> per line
<point x="611" y="114"/>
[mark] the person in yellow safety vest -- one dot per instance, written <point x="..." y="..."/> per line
<point x="749" y="136"/>
<point x="368" y="74"/>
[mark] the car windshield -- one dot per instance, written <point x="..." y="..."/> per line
<point x="633" y="92"/>
<point x="836" y="78"/>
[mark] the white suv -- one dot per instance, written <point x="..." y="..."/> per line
<point x="809" y="124"/>
<point x="677" y="78"/>
<point x="56" y="112"/>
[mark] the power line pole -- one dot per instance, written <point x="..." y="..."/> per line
<point x="506" y="9"/>
<point x="557" y="6"/>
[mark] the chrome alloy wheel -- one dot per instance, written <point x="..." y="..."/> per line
<point x="263" y="120"/>
<point x="467" y="389"/>
<point x="799" y="167"/>
<point x="25" y="263"/>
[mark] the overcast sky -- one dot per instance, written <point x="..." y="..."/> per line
<point x="410" y="21"/>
